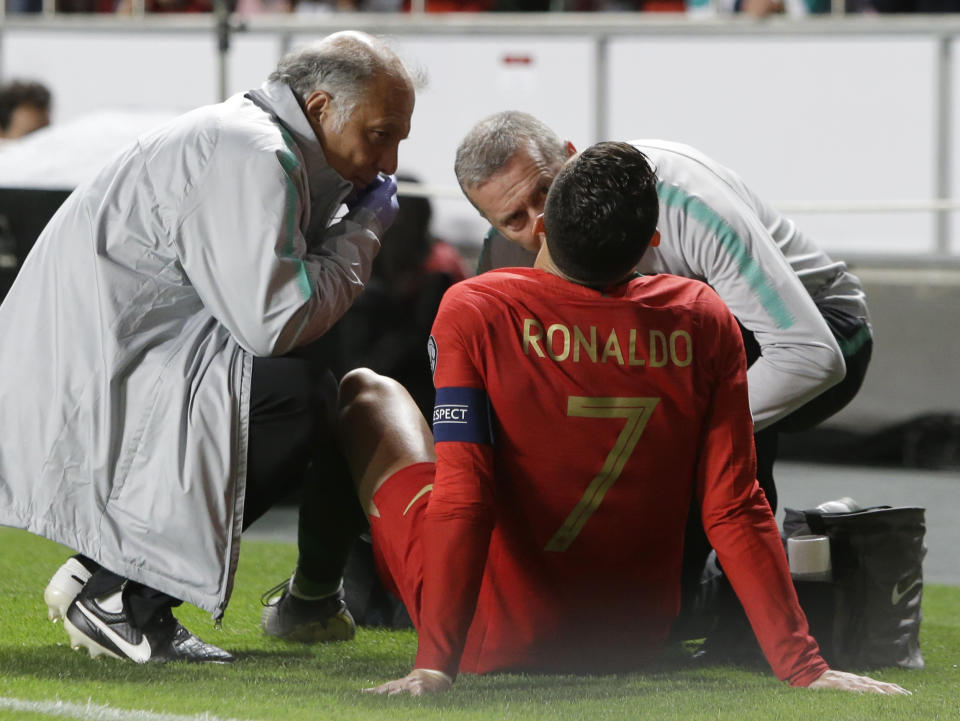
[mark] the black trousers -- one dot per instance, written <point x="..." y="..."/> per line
<point x="293" y="404"/>
<point x="853" y="336"/>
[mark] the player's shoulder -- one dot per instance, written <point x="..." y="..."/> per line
<point x="673" y="291"/>
<point x="692" y="301"/>
<point x="494" y="282"/>
<point x="474" y="303"/>
<point x="482" y="296"/>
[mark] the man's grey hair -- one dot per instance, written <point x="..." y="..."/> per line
<point x="342" y="65"/>
<point x="493" y="141"/>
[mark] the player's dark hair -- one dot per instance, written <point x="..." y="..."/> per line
<point x="601" y="213"/>
<point x="17" y="93"/>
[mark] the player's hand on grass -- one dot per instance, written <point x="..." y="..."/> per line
<point x="418" y="682"/>
<point x="843" y="681"/>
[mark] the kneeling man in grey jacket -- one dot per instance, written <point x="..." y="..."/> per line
<point x="161" y="380"/>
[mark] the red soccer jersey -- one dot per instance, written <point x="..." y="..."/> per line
<point x="558" y="547"/>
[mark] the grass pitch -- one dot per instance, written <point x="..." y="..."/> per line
<point x="41" y="678"/>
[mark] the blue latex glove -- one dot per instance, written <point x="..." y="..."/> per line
<point x="377" y="202"/>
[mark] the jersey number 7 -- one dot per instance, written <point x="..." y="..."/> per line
<point x="637" y="411"/>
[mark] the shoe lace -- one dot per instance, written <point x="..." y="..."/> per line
<point x="269" y="594"/>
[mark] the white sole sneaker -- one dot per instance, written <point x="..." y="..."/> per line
<point x="91" y="626"/>
<point x="66" y="583"/>
<point x="78" y="640"/>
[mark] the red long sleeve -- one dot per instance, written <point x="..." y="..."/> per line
<point x="455" y="537"/>
<point x="741" y="527"/>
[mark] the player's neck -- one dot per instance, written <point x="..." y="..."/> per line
<point x="544" y="261"/>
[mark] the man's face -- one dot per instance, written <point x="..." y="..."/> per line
<point x="513" y="198"/>
<point x="25" y="119"/>
<point x="367" y="143"/>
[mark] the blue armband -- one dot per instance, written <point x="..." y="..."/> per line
<point x="462" y="414"/>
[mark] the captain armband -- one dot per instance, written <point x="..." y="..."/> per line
<point x="463" y="415"/>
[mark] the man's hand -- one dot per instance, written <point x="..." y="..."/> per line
<point x="377" y="201"/>
<point x="418" y="682"/>
<point x="843" y="681"/>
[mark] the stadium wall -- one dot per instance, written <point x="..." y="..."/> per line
<point x="849" y="124"/>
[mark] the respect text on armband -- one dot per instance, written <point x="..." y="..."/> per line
<point x="650" y="348"/>
<point x="463" y="415"/>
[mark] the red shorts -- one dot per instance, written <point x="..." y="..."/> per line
<point x="401" y="501"/>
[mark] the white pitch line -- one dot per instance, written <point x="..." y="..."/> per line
<point x="96" y="712"/>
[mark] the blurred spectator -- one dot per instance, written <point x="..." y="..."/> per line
<point x="669" y="6"/>
<point x="85" y="6"/>
<point x="125" y="7"/>
<point x="24" y="107"/>
<point x="245" y="8"/>
<point x="389" y="324"/>
<point x="447" y="6"/>
<point x="430" y="6"/>
<point x="528" y="6"/>
<point x="331" y="6"/>
<point x="760" y="8"/>
<point x="903" y="6"/>
<point x="793" y="8"/>
<point x="17" y="7"/>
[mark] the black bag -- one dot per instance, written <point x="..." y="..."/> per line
<point x="869" y="616"/>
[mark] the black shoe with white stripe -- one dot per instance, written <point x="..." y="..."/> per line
<point x="105" y="627"/>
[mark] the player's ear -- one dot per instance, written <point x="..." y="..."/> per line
<point x="655" y="239"/>
<point x="571" y="151"/>
<point x="538" y="227"/>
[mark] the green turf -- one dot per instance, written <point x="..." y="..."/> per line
<point x="274" y="681"/>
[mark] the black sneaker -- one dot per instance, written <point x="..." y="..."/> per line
<point x="184" y="646"/>
<point x="109" y="633"/>
<point x="306" y="621"/>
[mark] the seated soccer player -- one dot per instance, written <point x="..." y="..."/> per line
<point x="579" y="409"/>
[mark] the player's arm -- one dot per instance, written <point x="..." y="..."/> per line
<point x="455" y="537"/>
<point x="741" y="527"/>
<point x="731" y="248"/>
<point x="459" y="519"/>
